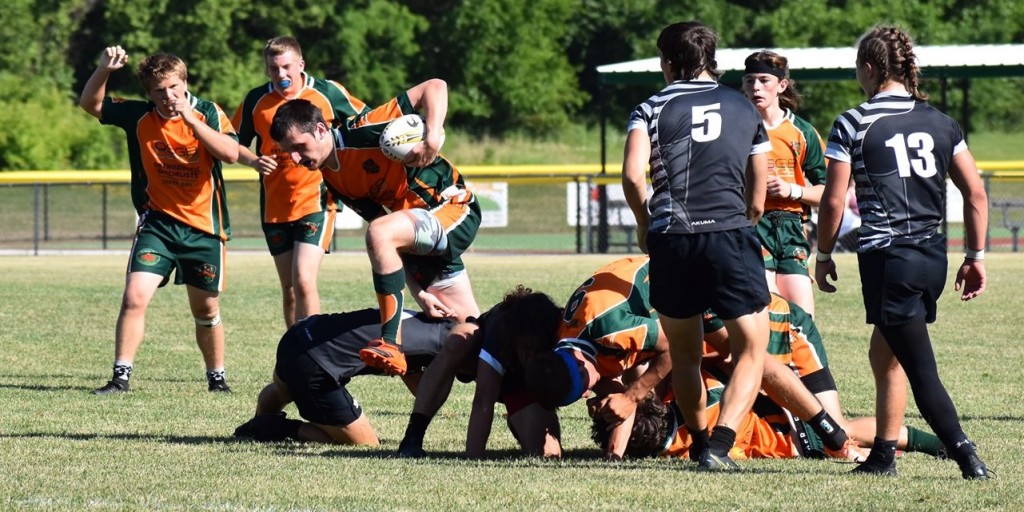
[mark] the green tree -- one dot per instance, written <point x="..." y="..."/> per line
<point x="514" y="71"/>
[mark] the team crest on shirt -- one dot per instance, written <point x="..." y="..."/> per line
<point x="796" y="146"/>
<point x="207" y="271"/>
<point x="370" y="166"/>
<point x="311" y="228"/>
<point x="147" y="257"/>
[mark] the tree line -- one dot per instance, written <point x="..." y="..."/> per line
<point x="513" y="66"/>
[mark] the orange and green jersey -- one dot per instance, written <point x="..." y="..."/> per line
<point x="372" y="184"/>
<point x="756" y="437"/>
<point x="610" y="319"/>
<point x="291" y="191"/>
<point x="797" y="156"/>
<point x="793" y="336"/>
<point x="172" y="172"/>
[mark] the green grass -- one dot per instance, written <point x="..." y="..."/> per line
<point x="167" y="445"/>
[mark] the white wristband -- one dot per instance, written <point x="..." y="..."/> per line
<point x="823" y="256"/>
<point x="978" y="255"/>
<point x="796" y="192"/>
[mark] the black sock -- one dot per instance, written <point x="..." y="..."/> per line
<point x="699" y="442"/>
<point x="828" y="430"/>
<point x="883" y="454"/>
<point x="722" y="439"/>
<point x="417" y="428"/>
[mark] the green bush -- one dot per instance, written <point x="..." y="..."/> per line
<point x="43" y="129"/>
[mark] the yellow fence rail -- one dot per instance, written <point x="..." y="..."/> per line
<point x="1010" y="169"/>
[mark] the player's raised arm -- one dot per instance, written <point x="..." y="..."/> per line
<point x="112" y="59"/>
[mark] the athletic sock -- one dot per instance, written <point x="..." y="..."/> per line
<point x="416" y="429"/>
<point x="883" y="454"/>
<point x="215" y="374"/>
<point x="722" y="439"/>
<point x="122" y="370"/>
<point x="390" y="298"/>
<point x="828" y="430"/>
<point x="924" y="442"/>
<point x="699" y="442"/>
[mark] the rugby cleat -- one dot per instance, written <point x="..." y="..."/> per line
<point x="711" y="462"/>
<point x="410" y="450"/>
<point x="972" y="468"/>
<point x="867" y="468"/>
<point x="113" y="386"/>
<point x="219" y="385"/>
<point x="849" y="452"/>
<point x="385" y="357"/>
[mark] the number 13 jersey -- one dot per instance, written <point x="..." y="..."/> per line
<point x="899" y="150"/>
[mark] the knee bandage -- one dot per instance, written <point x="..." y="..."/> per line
<point x="211" y="323"/>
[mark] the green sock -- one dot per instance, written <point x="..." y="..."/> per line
<point x="924" y="442"/>
<point x="389" y="289"/>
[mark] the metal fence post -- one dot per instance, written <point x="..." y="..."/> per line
<point x="46" y="212"/>
<point x="986" y="178"/>
<point x="104" y="216"/>
<point x="579" y="217"/>
<point x="590" y="216"/>
<point x="36" y="207"/>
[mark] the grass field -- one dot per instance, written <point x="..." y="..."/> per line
<point x="167" y="445"/>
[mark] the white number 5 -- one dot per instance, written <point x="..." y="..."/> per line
<point x="707" y="122"/>
<point x="923" y="162"/>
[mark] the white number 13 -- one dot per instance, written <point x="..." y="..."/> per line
<point x="923" y="162"/>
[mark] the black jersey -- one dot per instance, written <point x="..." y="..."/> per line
<point x="334" y="340"/>
<point x="702" y="135"/>
<point x="899" y="150"/>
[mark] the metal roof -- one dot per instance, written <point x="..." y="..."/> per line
<point x="954" y="61"/>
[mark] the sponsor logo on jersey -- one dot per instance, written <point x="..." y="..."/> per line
<point x="704" y="222"/>
<point x="165" y="151"/>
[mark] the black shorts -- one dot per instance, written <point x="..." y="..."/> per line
<point x="722" y="270"/>
<point x="320" y="397"/>
<point x="903" y="282"/>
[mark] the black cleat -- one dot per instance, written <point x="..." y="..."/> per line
<point x="219" y="385"/>
<point x="410" y="450"/>
<point x="972" y="468"/>
<point x="113" y="386"/>
<point x="708" y="461"/>
<point x="869" y="468"/>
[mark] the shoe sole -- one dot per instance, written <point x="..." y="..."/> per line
<point x="380" y="359"/>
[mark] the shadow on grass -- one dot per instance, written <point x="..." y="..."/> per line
<point x="155" y="438"/>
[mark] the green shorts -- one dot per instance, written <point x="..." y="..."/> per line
<point x="315" y="229"/>
<point x="163" y="244"/>
<point x="461" y="231"/>
<point x="784" y="246"/>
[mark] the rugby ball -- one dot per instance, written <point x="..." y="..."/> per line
<point x="401" y="135"/>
